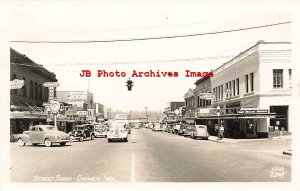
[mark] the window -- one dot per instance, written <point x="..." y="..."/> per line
<point x="198" y="101"/>
<point x="233" y="87"/>
<point x="246" y="83"/>
<point x="226" y="90"/>
<point x="46" y="94"/>
<point x="278" y="78"/>
<point x="252" y="82"/>
<point x="237" y="86"/>
<point x="230" y="89"/>
<point x="40" y="92"/>
<point x="36" y="90"/>
<point x="31" y="89"/>
<point x="221" y="91"/>
<point x="24" y="88"/>
<point x="290" y="74"/>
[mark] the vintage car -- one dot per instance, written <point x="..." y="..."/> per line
<point x="83" y="132"/>
<point x="189" y="129"/>
<point x="157" y="127"/>
<point x="100" y="130"/>
<point x="200" y="131"/>
<point x="118" y="132"/>
<point x="43" y="134"/>
<point x="176" y="128"/>
<point x="182" y="129"/>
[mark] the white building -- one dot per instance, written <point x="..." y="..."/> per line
<point x="254" y="90"/>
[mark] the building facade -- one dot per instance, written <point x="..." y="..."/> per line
<point x="254" y="89"/>
<point x="26" y="103"/>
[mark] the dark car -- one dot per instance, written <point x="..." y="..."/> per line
<point x="83" y="132"/>
<point x="170" y="128"/>
<point x="182" y="129"/>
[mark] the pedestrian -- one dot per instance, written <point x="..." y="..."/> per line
<point x="221" y="131"/>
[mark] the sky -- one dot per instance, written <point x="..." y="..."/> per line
<point x="107" y="20"/>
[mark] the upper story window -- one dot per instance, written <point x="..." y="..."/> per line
<point x="246" y="83"/>
<point x="31" y="89"/>
<point x="277" y="78"/>
<point x="36" y="90"/>
<point x="252" y="82"/>
<point x="24" y="88"/>
<point x="237" y="86"/>
<point x="13" y="91"/>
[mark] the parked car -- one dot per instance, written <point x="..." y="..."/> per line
<point x="176" y="128"/>
<point x="117" y="131"/>
<point x="157" y="127"/>
<point x="170" y="128"/>
<point x="43" y="134"/>
<point x="83" y="132"/>
<point x="100" y="130"/>
<point x="189" y="129"/>
<point x="200" y="131"/>
<point x="164" y="127"/>
<point x="182" y="129"/>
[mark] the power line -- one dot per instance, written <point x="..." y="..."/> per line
<point x="151" y="38"/>
<point x="127" y="62"/>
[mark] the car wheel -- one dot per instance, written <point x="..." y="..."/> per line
<point x="92" y="137"/>
<point x="126" y="140"/>
<point x="48" y="143"/>
<point x="63" y="143"/>
<point x="109" y="140"/>
<point x="81" y="138"/>
<point x="21" y="143"/>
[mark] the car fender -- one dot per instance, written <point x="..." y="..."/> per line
<point x="24" y="137"/>
<point x="51" y="137"/>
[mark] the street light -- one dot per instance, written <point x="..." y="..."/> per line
<point x="218" y="114"/>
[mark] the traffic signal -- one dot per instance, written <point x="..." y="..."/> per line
<point x="129" y="84"/>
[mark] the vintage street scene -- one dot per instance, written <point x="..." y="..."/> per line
<point x="115" y="93"/>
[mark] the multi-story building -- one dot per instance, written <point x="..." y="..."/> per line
<point x="83" y="100"/>
<point x="254" y="89"/>
<point x="27" y="102"/>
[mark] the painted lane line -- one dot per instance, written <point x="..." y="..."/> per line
<point x="133" y="167"/>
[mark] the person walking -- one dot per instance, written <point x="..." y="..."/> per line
<point x="221" y="131"/>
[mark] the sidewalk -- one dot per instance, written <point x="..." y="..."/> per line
<point x="230" y="140"/>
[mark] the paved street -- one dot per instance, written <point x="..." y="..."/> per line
<point x="153" y="157"/>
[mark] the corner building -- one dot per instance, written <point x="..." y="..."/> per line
<point x="254" y="91"/>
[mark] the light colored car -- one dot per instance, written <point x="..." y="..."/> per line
<point x="43" y="134"/>
<point x="200" y="131"/>
<point x="157" y="127"/>
<point x="117" y="131"/>
<point x="100" y="130"/>
<point x="189" y="129"/>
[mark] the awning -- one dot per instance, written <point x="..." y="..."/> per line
<point x="28" y="115"/>
<point x="241" y="116"/>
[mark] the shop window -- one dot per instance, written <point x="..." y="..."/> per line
<point x="221" y="91"/>
<point x="277" y="78"/>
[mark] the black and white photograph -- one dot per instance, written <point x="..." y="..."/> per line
<point x="143" y="95"/>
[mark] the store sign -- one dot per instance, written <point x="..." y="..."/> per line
<point x="16" y="84"/>
<point x="50" y="84"/>
<point x="78" y="95"/>
<point x="253" y="110"/>
<point x="82" y="113"/>
<point x="207" y="96"/>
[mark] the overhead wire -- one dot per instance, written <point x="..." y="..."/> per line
<point x="150" y="38"/>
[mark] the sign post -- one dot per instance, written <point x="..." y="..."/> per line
<point x="52" y="106"/>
